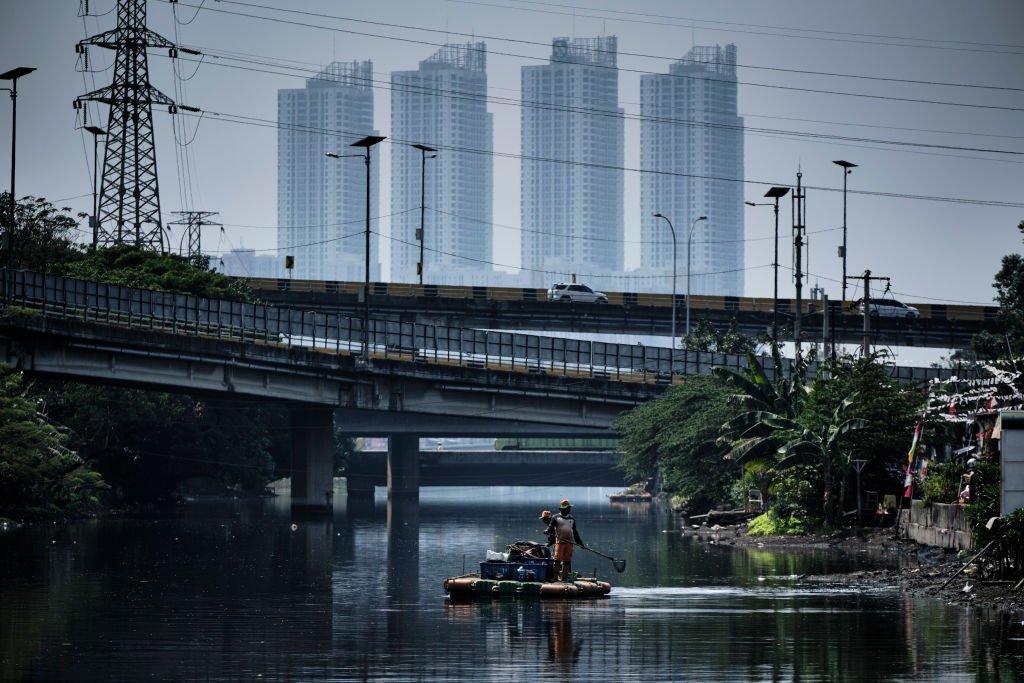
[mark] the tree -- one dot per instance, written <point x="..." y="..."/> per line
<point x="706" y="338"/>
<point x="1009" y="286"/>
<point x="890" y="409"/>
<point x="146" y="443"/>
<point x="39" y="474"/>
<point x="46" y="234"/>
<point x="674" y="436"/>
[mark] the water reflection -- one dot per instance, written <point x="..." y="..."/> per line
<point x="234" y="591"/>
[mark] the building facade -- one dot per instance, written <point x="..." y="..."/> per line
<point x="691" y="142"/>
<point x="572" y="213"/>
<point x="321" y="202"/>
<point x="249" y="263"/>
<point x="443" y="105"/>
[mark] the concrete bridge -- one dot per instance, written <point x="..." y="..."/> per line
<point x="398" y="380"/>
<point x="367" y="469"/>
<point x="509" y="308"/>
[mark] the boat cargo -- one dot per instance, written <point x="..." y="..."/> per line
<point x="526" y="570"/>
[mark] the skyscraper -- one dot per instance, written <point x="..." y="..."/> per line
<point x="443" y="104"/>
<point x="571" y="213"/>
<point x="321" y="202"/>
<point x="690" y="128"/>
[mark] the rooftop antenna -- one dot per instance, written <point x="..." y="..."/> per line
<point x="334" y="47"/>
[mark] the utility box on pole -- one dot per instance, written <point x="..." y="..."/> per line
<point x="1010" y="428"/>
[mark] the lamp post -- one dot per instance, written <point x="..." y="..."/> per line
<point x="673" y="231"/>
<point x="847" y="167"/>
<point x="776" y="193"/>
<point x="366" y="143"/>
<point x="689" y="243"/>
<point x="424" y="149"/>
<point x="13" y="75"/>
<point x="95" y="220"/>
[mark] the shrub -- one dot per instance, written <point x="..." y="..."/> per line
<point x="772" y="524"/>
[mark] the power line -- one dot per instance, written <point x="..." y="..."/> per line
<point x="907" y="294"/>
<point x="216" y="53"/>
<point x="978" y="45"/>
<point x="558" y="272"/>
<point x="588" y="111"/>
<point x="520" y="41"/>
<point x="517" y="228"/>
<point x="267" y="123"/>
<point x="971" y="105"/>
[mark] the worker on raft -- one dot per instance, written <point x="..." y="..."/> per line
<point x="563" y="528"/>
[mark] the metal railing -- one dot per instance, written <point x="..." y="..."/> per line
<point x="328" y="332"/>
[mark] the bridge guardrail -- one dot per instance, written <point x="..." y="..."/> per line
<point x="388" y="339"/>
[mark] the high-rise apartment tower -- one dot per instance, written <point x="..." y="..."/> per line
<point x="443" y="105"/>
<point x="572" y="144"/>
<point x="691" y="145"/>
<point x="321" y="202"/>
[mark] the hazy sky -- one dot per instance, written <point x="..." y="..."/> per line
<point x="942" y="250"/>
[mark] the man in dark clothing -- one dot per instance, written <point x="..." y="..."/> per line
<point x="563" y="528"/>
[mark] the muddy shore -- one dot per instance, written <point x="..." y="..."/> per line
<point x="920" y="570"/>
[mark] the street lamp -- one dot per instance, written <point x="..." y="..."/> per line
<point x="366" y="143"/>
<point x="420" y="267"/>
<point x="689" y="242"/>
<point x="847" y="170"/>
<point x="673" y="231"/>
<point x="776" y="193"/>
<point x="13" y="75"/>
<point x="96" y="132"/>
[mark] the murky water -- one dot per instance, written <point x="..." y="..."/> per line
<point x="231" y="591"/>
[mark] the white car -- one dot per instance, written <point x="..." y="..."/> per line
<point x="890" y="308"/>
<point x="568" y="293"/>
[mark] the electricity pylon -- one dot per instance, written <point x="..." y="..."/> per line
<point x="129" y="205"/>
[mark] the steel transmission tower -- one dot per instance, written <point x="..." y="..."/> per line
<point x="194" y="222"/>
<point x="129" y="204"/>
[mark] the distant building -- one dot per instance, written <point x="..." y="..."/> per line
<point x="321" y="202"/>
<point x="572" y="213"/>
<point x="247" y="263"/>
<point x="690" y="128"/>
<point x="443" y="104"/>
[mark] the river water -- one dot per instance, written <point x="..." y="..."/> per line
<point x="232" y="591"/>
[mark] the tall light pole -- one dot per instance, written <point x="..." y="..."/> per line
<point x="13" y="75"/>
<point x="366" y="143"/>
<point x="847" y="167"/>
<point x="673" y="231"/>
<point x="776" y="193"/>
<point x="689" y="243"/>
<point x="420" y="234"/>
<point x="96" y="132"/>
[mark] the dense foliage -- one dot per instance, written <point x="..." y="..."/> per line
<point x="144" y="444"/>
<point x="675" y="436"/>
<point x="39" y="474"/>
<point x="705" y="337"/>
<point x="793" y="439"/>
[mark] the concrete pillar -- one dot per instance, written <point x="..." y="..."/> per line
<point x="313" y="459"/>
<point x="403" y="467"/>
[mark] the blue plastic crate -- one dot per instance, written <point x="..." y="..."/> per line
<point x="525" y="570"/>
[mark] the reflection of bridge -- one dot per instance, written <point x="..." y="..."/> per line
<point x="412" y="380"/>
<point x="508" y="308"/>
<point x="367" y="469"/>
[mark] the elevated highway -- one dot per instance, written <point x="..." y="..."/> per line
<point x="510" y="308"/>
<point x="399" y="380"/>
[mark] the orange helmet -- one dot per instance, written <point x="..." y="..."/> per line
<point x="564" y="504"/>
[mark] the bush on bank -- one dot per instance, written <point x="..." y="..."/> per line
<point x="142" y="443"/>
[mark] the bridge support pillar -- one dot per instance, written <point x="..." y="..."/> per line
<point x="403" y="467"/>
<point x="312" y="459"/>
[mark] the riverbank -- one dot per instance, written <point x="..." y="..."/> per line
<point x="918" y="569"/>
